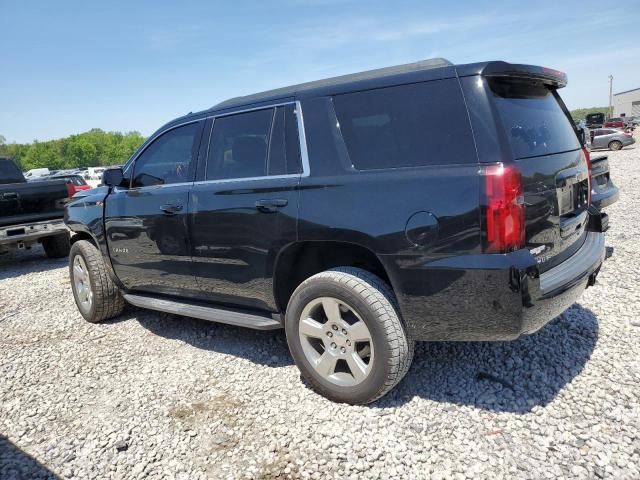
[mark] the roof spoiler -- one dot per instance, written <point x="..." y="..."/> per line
<point x="546" y="75"/>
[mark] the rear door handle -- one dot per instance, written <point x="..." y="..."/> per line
<point x="170" y="208"/>
<point x="271" y="205"/>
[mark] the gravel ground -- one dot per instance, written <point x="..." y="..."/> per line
<point x="161" y="396"/>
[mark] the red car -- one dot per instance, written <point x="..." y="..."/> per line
<point x="617" y="122"/>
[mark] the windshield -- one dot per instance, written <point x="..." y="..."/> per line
<point x="533" y="119"/>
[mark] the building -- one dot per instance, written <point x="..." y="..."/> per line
<point x="627" y="103"/>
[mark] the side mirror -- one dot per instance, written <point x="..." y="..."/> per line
<point x="112" y="177"/>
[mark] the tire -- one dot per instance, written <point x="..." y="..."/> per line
<point x="95" y="284"/>
<point x="57" y="246"/>
<point x="615" y="145"/>
<point x="360" y="296"/>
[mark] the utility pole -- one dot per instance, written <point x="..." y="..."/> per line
<point x="610" y="96"/>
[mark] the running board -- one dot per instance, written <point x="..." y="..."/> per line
<point x="220" y="315"/>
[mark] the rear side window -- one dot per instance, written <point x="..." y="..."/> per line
<point x="406" y="126"/>
<point x="239" y="145"/>
<point x="533" y="119"/>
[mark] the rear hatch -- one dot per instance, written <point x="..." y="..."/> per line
<point x="32" y="202"/>
<point x="555" y="173"/>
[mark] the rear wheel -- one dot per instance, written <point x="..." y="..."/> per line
<point x="615" y="145"/>
<point x="57" y="246"/>
<point x="346" y="337"/>
<point x="96" y="296"/>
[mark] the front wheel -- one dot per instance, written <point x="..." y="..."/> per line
<point x="96" y="296"/>
<point x="615" y="145"/>
<point x="346" y="337"/>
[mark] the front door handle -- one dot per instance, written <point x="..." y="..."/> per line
<point x="271" y="205"/>
<point x="170" y="208"/>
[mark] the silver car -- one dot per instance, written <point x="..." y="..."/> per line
<point x="610" y="138"/>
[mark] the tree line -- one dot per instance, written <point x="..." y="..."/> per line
<point x="581" y="113"/>
<point x="89" y="149"/>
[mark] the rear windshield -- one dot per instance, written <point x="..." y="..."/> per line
<point x="533" y="119"/>
<point x="9" y="172"/>
<point x="406" y="126"/>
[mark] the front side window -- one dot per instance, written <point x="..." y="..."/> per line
<point x="239" y="145"/>
<point x="169" y="159"/>
<point x="406" y="126"/>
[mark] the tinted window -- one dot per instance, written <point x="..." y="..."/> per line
<point x="406" y="126"/>
<point x="239" y="145"/>
<point x="284" y="151"/>
<point x="9" y="172"/>
<point x="533" y="119"/>
<point x="169" y="158"/>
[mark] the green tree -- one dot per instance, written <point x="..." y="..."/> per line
<point x="89" y="149"/>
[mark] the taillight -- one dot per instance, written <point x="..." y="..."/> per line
<point x="71" y="189"/>
<point x="587" y="157"/>
<point x="504" y="207"/>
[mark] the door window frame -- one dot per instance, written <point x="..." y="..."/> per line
<point x="302" y="139"/>
<point x="205" y="141"/>
<point x="131" y="164"/>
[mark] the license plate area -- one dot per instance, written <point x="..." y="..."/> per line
<point x="572" y="196"/>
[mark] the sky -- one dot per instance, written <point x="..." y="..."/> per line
<point x="69" y="66"/>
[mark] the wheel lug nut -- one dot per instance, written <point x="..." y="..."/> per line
<point x="344" y="332"/>
<point x="349" y="343"/>
<point x="343" y="350"/>
<point x="333" y="345"/>
<point x="335" y="327"/>
<point x="329" y="334"/>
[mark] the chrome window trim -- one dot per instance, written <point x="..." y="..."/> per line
<point x="302" y="138"/>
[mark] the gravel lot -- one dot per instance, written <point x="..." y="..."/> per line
<point x="161" y="396"/>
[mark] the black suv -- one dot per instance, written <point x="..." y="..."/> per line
<point x="427" y="201"/>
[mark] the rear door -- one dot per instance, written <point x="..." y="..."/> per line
<point x="245" y="208"/>
<point x="146" y="223"/>
<point x="545" y="148"/>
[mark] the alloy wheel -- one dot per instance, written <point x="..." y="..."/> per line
<point x="81" y="281"/>
<point x="336" y="341"/>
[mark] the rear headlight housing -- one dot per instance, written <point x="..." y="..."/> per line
<point x="71" y="189"/>
<point x="587" y="158"/>
<point x="504" y="209"/>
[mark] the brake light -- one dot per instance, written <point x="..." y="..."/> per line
<point x="504" y="197"/>
<point x="587" y="157"/>
<point x="71" y="189"/>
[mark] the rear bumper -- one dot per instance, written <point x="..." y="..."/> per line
<point x="29" y="233"/>
<point x="489" y="297"/>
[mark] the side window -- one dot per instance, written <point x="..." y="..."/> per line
<point x="169" y="159"/>
<point x="406" y="126"/>
<point x="239" y="145"/>
<point x="284" y="150"/>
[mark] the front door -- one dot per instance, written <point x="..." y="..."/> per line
<point x="245" y="209"/>
<point x="146" y="223"/>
